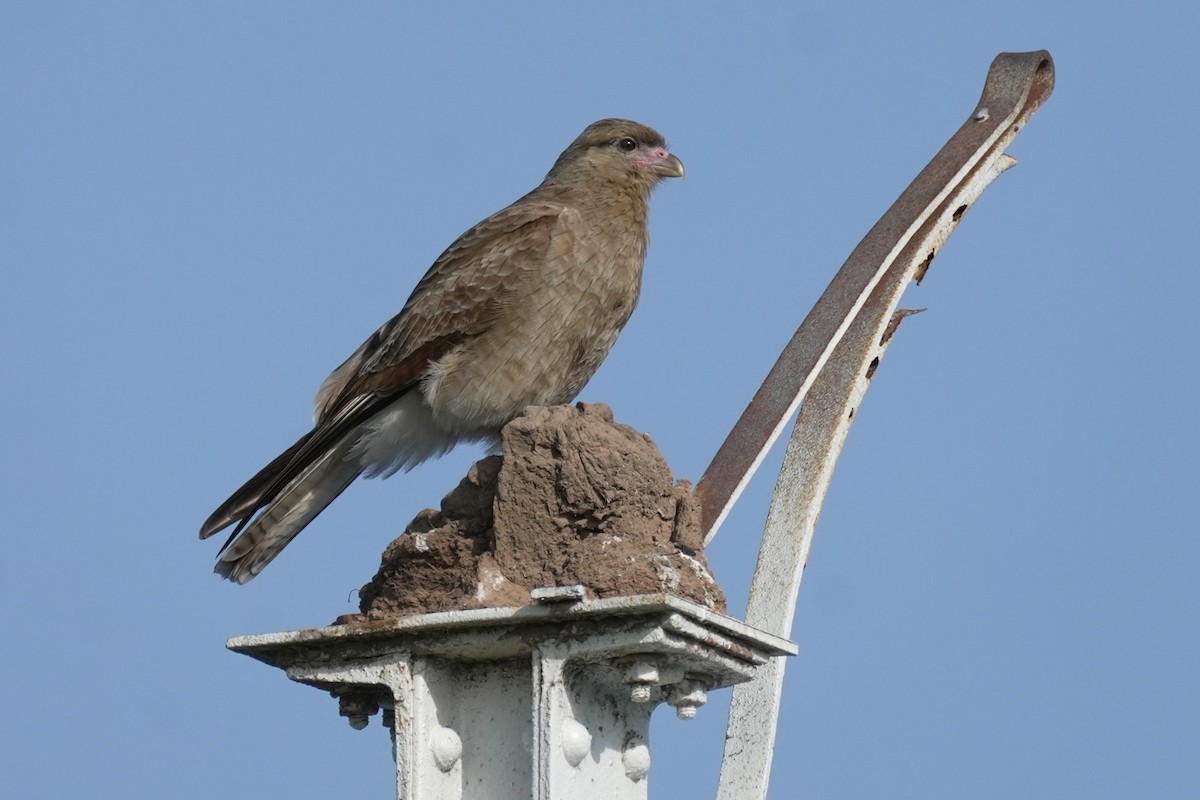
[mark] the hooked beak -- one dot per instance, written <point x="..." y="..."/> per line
<point x="669" y="166"/>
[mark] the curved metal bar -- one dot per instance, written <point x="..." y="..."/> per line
<point x="832" y="381"/>
<point x="1017" y="85"/>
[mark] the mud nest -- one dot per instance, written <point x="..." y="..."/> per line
<point x="575" y="499"/>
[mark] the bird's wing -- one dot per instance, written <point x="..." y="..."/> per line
<point x="459" y="297"/>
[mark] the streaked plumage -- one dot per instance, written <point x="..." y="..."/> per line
<point x="519" y="311"/>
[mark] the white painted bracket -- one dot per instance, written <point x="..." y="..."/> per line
<point x="549" y="701"/>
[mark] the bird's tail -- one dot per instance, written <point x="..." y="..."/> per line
<point x="293" y="507"/>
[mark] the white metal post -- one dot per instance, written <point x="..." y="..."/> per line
<point x="549" y="701"/>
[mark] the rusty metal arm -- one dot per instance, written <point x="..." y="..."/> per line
<point x="1017" y="85"/>
<point x="828" y="366"/>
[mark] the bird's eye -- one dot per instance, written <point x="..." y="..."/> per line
<point x="627" y="144"/>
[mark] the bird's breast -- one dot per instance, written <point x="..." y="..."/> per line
<point x="552" y="333"/>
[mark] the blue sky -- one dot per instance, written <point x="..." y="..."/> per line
<point x="207" y="206"/>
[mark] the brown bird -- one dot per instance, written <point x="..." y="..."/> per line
<point x="519" y="311"/>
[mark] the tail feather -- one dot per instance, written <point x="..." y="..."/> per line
<point x="252" y="495"/>
<point x="291" y="508"/>
<point x="290" y="491"/>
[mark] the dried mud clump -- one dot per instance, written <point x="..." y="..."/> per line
<point x="575" y="499"/>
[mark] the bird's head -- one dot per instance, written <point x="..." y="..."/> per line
<point x="618" y="151"/>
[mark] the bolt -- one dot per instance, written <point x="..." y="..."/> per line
<point x="642" y="677"/>
<point x="687" y="696"/>
<point x="357" y="708"/>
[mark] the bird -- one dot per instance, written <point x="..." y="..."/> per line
<point x="519" y="311"/>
